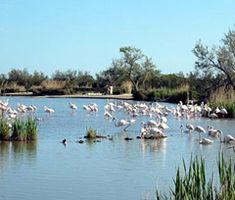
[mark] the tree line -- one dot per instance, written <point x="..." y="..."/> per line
<point x="136" y="73"/>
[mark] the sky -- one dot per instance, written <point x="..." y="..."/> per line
<point x="50" y="35"/>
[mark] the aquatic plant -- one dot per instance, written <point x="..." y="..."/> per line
<point x="31" y="129"/>
<point x="19" y="130"/>
<point x="193" y="184"/>
<point x="4" y="130"/>
<point x="91" y="133"/>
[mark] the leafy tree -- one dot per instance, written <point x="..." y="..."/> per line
<point x="137" y="66"/>
<point x="218" y="61"/>
<point x="84" y="79"/>
<point x="38" y="78"/>
<point x="21" y="77"/>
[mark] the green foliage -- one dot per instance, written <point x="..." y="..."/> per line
<point x="19" y="130"/>
<point x="91" y="133"/>
<point x="4" y="130"/>
<point x="193" y="184"/>
<point x="31" y="129"/>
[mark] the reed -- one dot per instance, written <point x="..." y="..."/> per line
<point x="224" y="97"/>
<point x="19" y="131"/>
<point x="31" y="129"/>
<point x="193" y="184"/>
<point x="4" y="130"/>
<point x="91" y="133"/>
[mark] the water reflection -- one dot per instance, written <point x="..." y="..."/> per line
<point x="17" y="152"/>
<point x="153" y="145"/>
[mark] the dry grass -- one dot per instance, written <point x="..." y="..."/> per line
<point x="51" y="84"/>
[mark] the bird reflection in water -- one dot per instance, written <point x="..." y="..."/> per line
<point x="153" y="145"/>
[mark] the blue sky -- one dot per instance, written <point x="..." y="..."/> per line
<point x="47" y="35"/>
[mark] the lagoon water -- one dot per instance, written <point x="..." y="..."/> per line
<point x="111" y="169"/>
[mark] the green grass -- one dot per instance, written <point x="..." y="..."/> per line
<point x="19" y="131"/>
<point x="31" y="129"/>
<point x="192" y="183"/>
<point x="4" y="130"/>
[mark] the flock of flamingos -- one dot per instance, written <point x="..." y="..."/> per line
<point x="154" y="128"/>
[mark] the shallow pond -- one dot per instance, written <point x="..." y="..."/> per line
<point x="110" y="169"/>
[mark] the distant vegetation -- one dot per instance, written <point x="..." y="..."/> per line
<point x="136" y="73"/>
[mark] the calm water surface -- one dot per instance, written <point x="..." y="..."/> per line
<point x="116" y="169"/>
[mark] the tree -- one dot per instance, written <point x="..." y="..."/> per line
<point x="218" y="61"/>
<point x="137" y="66"/>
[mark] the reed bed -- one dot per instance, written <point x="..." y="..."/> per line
<point x="224" y="97"/>
<point x="19" y="130"/>
<point x="193" y="183"/>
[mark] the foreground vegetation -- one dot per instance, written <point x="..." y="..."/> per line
<point x="193" y="183"/>
<point x="19" y="130"/>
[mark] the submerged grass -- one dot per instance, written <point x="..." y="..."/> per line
<point x="193" y="184"/>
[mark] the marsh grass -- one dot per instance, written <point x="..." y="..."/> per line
<point x="19" y="131"/>
<point x="91" y="133"/>
<point x="192" y="183"/>
<point x="31" y="129"/>
<point x="4" y="130"/>
<point x="224" y="97"/>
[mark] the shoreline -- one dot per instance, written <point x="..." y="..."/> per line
<point x="82" y="96"/>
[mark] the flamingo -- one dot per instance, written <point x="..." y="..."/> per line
<point x="48" y="110"/>
<point x="213" y="132"/>
<point x="123" y="123"/>
<point x="190" y="127"/>
<point x="200" y="130"/>
<point x="73" y="106"/>
<point x="205" y="141"/>
<point x="227" y="138"/>
<point x="107" y="114"/>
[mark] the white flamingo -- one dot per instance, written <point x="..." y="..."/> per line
<point x="123" y="123"/>
<point x="48" y="110"/>
<point x="205" y="141"/>
<point x="227" y="138"/>
<point x="73" y="106"/>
